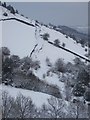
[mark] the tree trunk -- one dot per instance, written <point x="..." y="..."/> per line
<point x="77" y="112"/>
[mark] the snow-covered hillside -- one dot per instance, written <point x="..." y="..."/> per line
<point x="24" y="37"/>
<point x="21" y="39"/>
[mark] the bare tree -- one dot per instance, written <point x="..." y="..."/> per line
<point x="68" y="88"/>
<point x="7" y="104"/>
<point x="56" y="108"/>
<point x="77" y="109"/>
<point x="23" y="107"/>
<point x="43" y="112"/>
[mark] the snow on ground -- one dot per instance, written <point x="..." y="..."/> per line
<point x="12" y="15"/>
<point x="53" y="53"/>
<point x="38" y="98"/>
<point x="21" y="39"/>
<point x="54" y="80"/>
<point x="24" y="37"/>
<point x="69" y="42"/>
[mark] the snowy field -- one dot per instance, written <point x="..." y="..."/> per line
<point x="38" y="98"/>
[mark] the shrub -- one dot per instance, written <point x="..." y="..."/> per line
<point x="17" y="11"/>
<point x="82" y="42"/>
<point x="28" y="63"/>
<point x="7" y="70"/>
<point x="69" y="67"/>
<point x="5" y="14"/>
<point x="44" y="76"/>
<point x="4" y="4"/>
<point x="5" y="51"/>
<point x="57" y="42"/>
<point x="63" y="44"/>
<point x="16" y="60"/>
<point x="54" y="27"/>
<point x="77" y="61"/>
<point x="48" y="73"/>
<point x="60" y="66"/>
<point x="35" y="64"/>
<point x="66" y="36"/>
<point x="48" y="63"/>
<point x="37" y="21"/>
<point x="79" y="90"/>
<point x="72" y="36"/>
<point x="83" y="76"/>
<point x="22" y="15"/>
<point x="87" y="95"/>
<point x="45" y="36"/>
<point x="82" y="45"/>
<point x="85" y="49"/>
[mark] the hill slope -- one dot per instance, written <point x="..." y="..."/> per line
<point x="25" y="37"/>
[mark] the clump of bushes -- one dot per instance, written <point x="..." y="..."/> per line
<point x="27" y="63"/>
<point x="3" y="4"/>
<point x="12" y="64"/>
<point x="11" y="9"/>
<point x="79" y="90"/>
